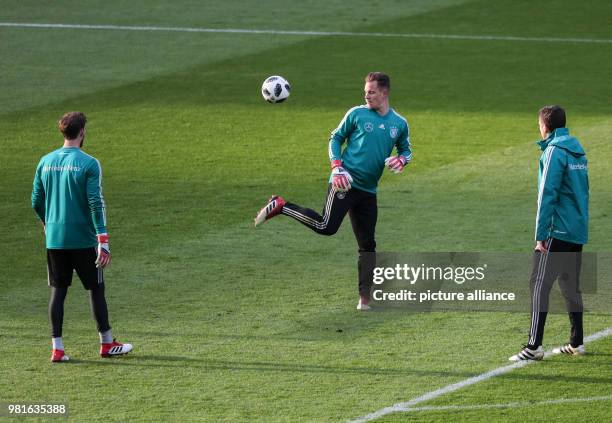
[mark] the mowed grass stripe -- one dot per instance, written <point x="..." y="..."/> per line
<point x="37" y="75"/>
<point x="306" y="33"/>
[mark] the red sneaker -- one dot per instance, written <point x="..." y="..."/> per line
<point x="114" y="348"/>
<point x="274" y="207"/>
<point x="57" y="356"/>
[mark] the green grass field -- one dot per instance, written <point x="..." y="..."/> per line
<point x="232" y="323"/>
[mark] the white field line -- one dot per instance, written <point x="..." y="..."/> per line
<point x="406" y="406"/>
<point x="509" y="404"/>
<point x="306" y="33"/>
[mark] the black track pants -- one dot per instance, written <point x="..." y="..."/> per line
<point x="363" y="211"/>
<point x="562" y="261"/>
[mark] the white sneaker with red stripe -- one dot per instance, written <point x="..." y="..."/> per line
<point x="273" y="208"/>
<point x="57" y="356"/>
<point x="114" y="348"/>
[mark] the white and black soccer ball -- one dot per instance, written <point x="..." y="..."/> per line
<point x="275" y="89"/>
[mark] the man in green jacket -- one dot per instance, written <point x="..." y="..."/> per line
<point x="369" y="134"/>
<point x="67" y="198"/>
<point x="561" y="231"/>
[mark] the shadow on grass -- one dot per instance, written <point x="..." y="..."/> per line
<point x="257" y="366"/>
<point x="163" y="361"/>
<point x="442" y="75"/>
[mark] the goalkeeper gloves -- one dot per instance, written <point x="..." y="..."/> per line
<point x="396" y="164"/>
<point x="341" y="179"/>
<point x="104" y="255"/>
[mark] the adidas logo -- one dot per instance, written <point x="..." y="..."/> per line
<point x="271" y="206"/>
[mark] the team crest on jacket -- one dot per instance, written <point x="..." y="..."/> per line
<point x="369" y="127"/>
<point x="393" y="132"/>
<point x="341" y="195"/>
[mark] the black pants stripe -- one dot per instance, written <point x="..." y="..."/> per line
<point x="562" y="261"/>
<point x="362" y="209"/>
<point x="319" y="223"/>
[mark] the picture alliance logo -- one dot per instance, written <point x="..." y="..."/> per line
<point x="412" y="274"/>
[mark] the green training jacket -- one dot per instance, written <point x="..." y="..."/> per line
<point x="563" y="189"/>
<point x="370" y="139"/>
<point x="67" y="197"/>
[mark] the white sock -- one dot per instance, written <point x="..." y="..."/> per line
<point x="58" y="344"/>
<point x="106" y="337"/>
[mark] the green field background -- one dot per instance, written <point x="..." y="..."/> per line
<point x="232" y="323"/>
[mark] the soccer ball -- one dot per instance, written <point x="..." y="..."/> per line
<point x="275" y="89"/>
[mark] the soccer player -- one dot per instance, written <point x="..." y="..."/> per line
<point x="67" y="197"/>
<point x="561" y="231"/>
<point x="369" y="133"/>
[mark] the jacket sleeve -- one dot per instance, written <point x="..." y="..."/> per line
<point x="403" y="144"/>
<point x="339" y="135"/>
<point x="553" y="167"/>
<point x="95" y="199"/>
<point x="38" y="194"/>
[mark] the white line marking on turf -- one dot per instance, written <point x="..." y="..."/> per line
<point x="406" y="406"/>
<point x="509" y="404"/>
<point x="307" y="33"/>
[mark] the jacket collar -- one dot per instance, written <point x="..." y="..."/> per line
<point x="559" y="132"/>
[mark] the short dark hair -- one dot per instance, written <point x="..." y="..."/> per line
<point x="71" y="124"/>
<point x="553" y="117"/>
<point x="382" y="79"/>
